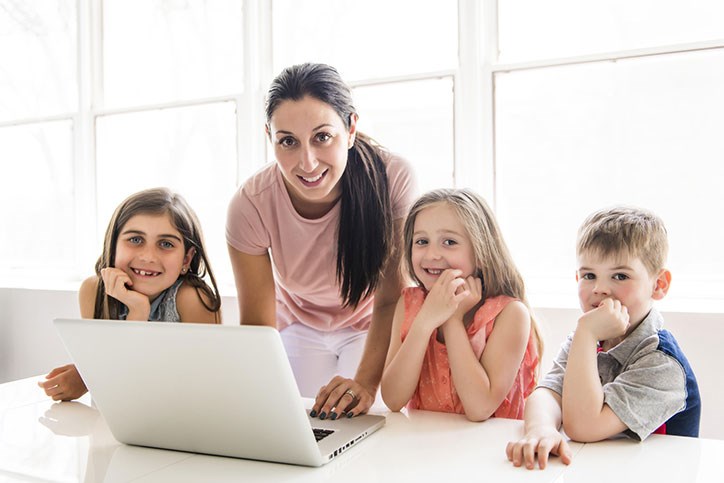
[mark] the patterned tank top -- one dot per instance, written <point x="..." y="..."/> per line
<point x="435" y="389"/>
<point x="163" y="308"/>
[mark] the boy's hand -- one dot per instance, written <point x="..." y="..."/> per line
<point x="443" y="299"/>
<point x="608" y="321"/>
<point x="543" y="441"/>
<point x="120" y="286"/>
<point x="64" y="383"/>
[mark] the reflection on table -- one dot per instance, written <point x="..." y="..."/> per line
<point x="70" y="441"/>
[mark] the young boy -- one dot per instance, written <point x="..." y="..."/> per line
<point x="619" y="372"/>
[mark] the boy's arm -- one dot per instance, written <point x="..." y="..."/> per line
<point x="542" y="437"/>
<point x="586" y="417"/>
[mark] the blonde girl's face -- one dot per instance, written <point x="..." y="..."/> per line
<point x="440" y="242"/>
<point x="151" y="251"/>
<point x="310" y="145"/>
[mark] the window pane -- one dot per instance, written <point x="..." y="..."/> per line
<point x="643" y="132"/>
<point x="374" y="38"/>
<point x="191" y="150"/>
<point x="36" y="202"/>
<point x="531" y="29"/>
<point x="37" y="58"/>
<point x="157" y="51"/>
<point x="415" y="120"/>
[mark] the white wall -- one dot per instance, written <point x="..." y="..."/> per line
<point x="30" y="346"/>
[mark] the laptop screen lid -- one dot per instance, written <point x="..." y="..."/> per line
<point x="223" y="390"/>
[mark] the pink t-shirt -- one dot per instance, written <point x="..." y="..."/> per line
<point x="435" y="389"/>
<point x="261" y="218"/>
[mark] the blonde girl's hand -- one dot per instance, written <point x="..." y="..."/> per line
<point x="443" y="299"/>
<point x="120" y="286"/>
<point x="63" y="383"/>
<point x="474" y="287"/>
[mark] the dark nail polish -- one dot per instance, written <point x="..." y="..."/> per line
<point x="349" y="415"/>
<point x="313" y="413"/>
<point x="322" y="415"/>
<point x="332" y="415"/>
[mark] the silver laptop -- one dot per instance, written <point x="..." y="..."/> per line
<point x="214" y="389"/>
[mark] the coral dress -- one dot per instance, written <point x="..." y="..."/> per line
<point x="435" y="390"/>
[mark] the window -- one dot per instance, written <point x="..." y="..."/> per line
<point x="576" y="135"/>
<point x="549" y="109"/>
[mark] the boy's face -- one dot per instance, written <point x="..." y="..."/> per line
<point x="625" y="279"/>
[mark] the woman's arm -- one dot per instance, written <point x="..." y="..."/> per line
<point x="369" y="372"/>
<point x="254" y="288"/>
<point x="483" y="384"/>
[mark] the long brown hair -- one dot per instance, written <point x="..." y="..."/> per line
<point x="364" y="236"/>
<point x="158" y="201"/>
<point x="498" y="272"/>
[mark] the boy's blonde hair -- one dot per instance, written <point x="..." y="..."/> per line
<point x="625" y="231"/>
<point x="495" y="266"/>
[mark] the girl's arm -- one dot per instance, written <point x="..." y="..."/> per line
<point x="64" y="383"/>
<point x="254" y="287"/>
<point x="404" y="361"/>
<point x="87" y="297"/>
<point x="483" y="384"/>
<point x="191" y="307"/>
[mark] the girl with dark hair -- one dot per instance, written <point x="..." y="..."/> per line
<point x="313" y="240"/>
<point x="152" y="268"/>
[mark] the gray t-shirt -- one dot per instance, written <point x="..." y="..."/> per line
<point x="643" y="383"/>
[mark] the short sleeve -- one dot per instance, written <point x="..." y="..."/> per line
<point x="245" y="230"/>
<point x="647" y="393"/>
<point x="553" y="380"/>
<point x="402" y="185"/>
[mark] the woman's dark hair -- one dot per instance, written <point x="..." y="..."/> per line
<point x="365" y="223"/>
<point x="158" y="201"/>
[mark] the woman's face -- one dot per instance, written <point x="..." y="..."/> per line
<point x="310" y="144"/>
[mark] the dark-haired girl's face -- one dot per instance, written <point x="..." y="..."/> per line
<point x="310" y="144"/>
<point x="151" y="252"/>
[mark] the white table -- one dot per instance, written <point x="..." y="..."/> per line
<point x="45" y="441"/>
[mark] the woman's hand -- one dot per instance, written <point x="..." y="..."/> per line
<point x="64" y="383"/>
<point x="342" y="396"/>
<point x="120" y="286"/>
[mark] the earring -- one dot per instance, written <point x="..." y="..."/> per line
<point x="184" y="270"/>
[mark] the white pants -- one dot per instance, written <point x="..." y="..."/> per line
<point x="316" y="356"/>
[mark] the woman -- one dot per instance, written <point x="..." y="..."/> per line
<point x="313" y="240"/>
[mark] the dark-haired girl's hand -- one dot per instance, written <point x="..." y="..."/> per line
<point x="120" y="286"/>
<point x="64" y="383"/>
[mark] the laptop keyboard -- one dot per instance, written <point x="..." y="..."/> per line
<point x="320" y="434"/>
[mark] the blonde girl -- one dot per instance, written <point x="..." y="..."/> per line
<point x="463" y="339"/>
<point x="152" y="268"/>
